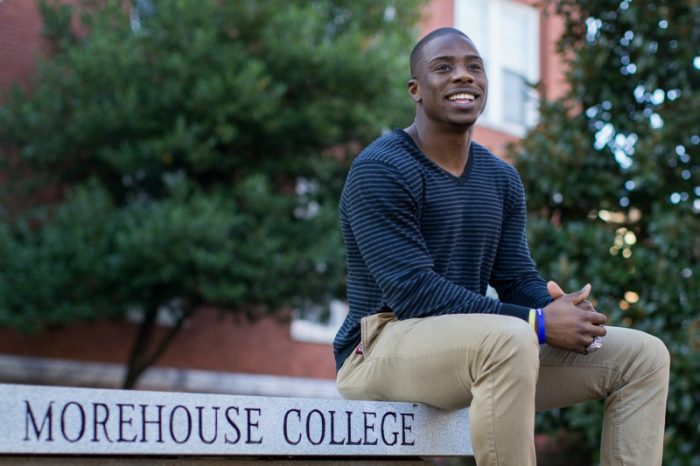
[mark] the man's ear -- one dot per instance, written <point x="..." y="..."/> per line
<point x="414" y="90"/>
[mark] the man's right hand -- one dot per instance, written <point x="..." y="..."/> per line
<point x="568" y="326"/>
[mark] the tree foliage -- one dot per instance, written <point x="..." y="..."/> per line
<point x="614" y="167"/>
<point x="175" y="153"/>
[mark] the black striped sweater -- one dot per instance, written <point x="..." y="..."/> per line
<point x="421" y="242"/>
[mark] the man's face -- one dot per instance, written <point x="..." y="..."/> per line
<point x="450" y="85"/>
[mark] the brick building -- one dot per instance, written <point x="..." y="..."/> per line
<point x="285" y="356"/>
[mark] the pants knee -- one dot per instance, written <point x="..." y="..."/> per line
<point x="518" y="349"/>
<point x="522" y="338"/>
<point x="658" y="355"/>
<point x="648" y="356"/>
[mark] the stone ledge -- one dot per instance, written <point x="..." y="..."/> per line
<point x="150" y="461"/>
<point x="44" y="420"/>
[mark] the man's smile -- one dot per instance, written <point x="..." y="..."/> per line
<point x="462" y="97"/>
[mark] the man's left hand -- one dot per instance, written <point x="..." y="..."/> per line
<point x="556" y="292"/>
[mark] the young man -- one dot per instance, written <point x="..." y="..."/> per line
<point x="429" y="219"/>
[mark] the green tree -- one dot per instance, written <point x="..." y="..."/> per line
<point x="613" y="185"/>
<point x="172" y="154"/>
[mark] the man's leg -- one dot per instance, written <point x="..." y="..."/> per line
<point x="631" y="373"/>
<point x="450" y="361"/>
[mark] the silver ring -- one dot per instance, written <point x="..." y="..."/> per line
<point x="595" y="345"/>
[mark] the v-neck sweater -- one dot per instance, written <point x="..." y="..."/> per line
<point x="422" y="242"/>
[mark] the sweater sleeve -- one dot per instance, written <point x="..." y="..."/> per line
<point x="383" y="212"/>
<point x="514" y="276"/>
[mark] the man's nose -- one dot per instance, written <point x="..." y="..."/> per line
<point x="462" y="73"/>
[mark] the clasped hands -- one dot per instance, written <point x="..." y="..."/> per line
<point x="571" y="319"/>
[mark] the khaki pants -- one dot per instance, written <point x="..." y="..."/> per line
<point x="494" y="364"/>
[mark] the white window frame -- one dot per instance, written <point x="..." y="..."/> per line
<point x="490" y="43"/>
<point x="308" y="327"/>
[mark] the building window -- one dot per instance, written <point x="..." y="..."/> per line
<point x="514" y="97"/>
<point x="507" y="35"/>
<point x="319" y="325"/>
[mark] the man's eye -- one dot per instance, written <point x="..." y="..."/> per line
<point x="443" y="68"/>
<point x="475" y="67"/>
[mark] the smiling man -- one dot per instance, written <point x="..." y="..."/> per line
<point x="430" y="218"/>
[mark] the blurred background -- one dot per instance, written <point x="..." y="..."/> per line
<point x="170" y="172"/>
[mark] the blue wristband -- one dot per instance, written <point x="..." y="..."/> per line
<point x="541" y="333"/>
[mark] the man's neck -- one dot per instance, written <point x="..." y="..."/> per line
<point x="449" y="149"/>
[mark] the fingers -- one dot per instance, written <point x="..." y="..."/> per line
<point x="582" y="294"/>
<point x="554" y="290"/>
<point x="601" y="329"/>
<point x="570" y="327"/>
<point x="596" y="318"/>
<point x="592" y="324"/>
<point x="596" y="331"/>
<point x="586" y="305"/>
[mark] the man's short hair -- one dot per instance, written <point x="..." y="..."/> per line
<point x="417" y="52"/>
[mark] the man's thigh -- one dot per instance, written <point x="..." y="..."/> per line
<point x="567" y="378"/>
<point x="434" y="360"/>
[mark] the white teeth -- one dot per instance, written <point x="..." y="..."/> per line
<point x="462" y="96"/>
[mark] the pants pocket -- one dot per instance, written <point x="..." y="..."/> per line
<point x="371" y="328"/>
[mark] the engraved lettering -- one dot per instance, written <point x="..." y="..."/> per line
<point x="405" y="427"/>
<point x="333" y="440"/>
<point x="200" y="416"/>
<point x="369" y="427"/>
<point x="252" y="424"/>
<point x="47" y="421"/>
<point x="81" y="429"/>
<point x="384" y="429"/>
<point x="158" y="422"/>
<point x="350" y="441"/>
<point x="232" y="424"/>
<point x="308" y="427"/>
<point x="172" y="424"/>
<point x="96" y="421"/>
<point x="285" y="426"/>
<point x="124" y="420"/>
